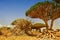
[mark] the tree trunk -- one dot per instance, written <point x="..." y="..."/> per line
<point x="28" y="32"/>
<point x="46" y="25"/>
<point x="51" y="24"/>
<point x="40" y="30"/>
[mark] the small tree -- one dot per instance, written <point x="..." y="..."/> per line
<point x="21" y="23"/>
<point x="22" y="26"/>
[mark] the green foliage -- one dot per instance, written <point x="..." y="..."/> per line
<point x="33" y="7"/>
<point x="5" y="28"/>
<point x="58" y="5"/>
<point x="57" y="1"/>
<point x="37" y="5"/>
<point x="21" y="23"/>
<point x="39" y="24"/>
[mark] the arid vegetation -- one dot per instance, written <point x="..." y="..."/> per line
<point x="31" y="31"/>
<point x="25" y="30"/>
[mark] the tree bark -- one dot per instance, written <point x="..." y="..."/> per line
<point x="51" y="24"/>
<point x="28" y="32"/>
<point x="46" y="25"/>
<point x="40" y="30"/>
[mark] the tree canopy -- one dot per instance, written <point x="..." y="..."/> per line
<point x="57" y="1"/>
<point x="21" y="23"/>
<point x="39" y="24"/>
<point x="45" y="11"/>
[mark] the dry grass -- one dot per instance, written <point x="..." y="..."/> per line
<point x="24" y="37"/>
<point x="18" y="38"/>
<point x="7" y="35"/>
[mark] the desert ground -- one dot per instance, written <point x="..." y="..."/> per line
<point x="55" y="36"/>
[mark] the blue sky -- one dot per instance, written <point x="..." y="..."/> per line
<point x="12" y="9"/>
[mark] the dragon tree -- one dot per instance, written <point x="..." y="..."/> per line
<point x="45" y="11"/>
